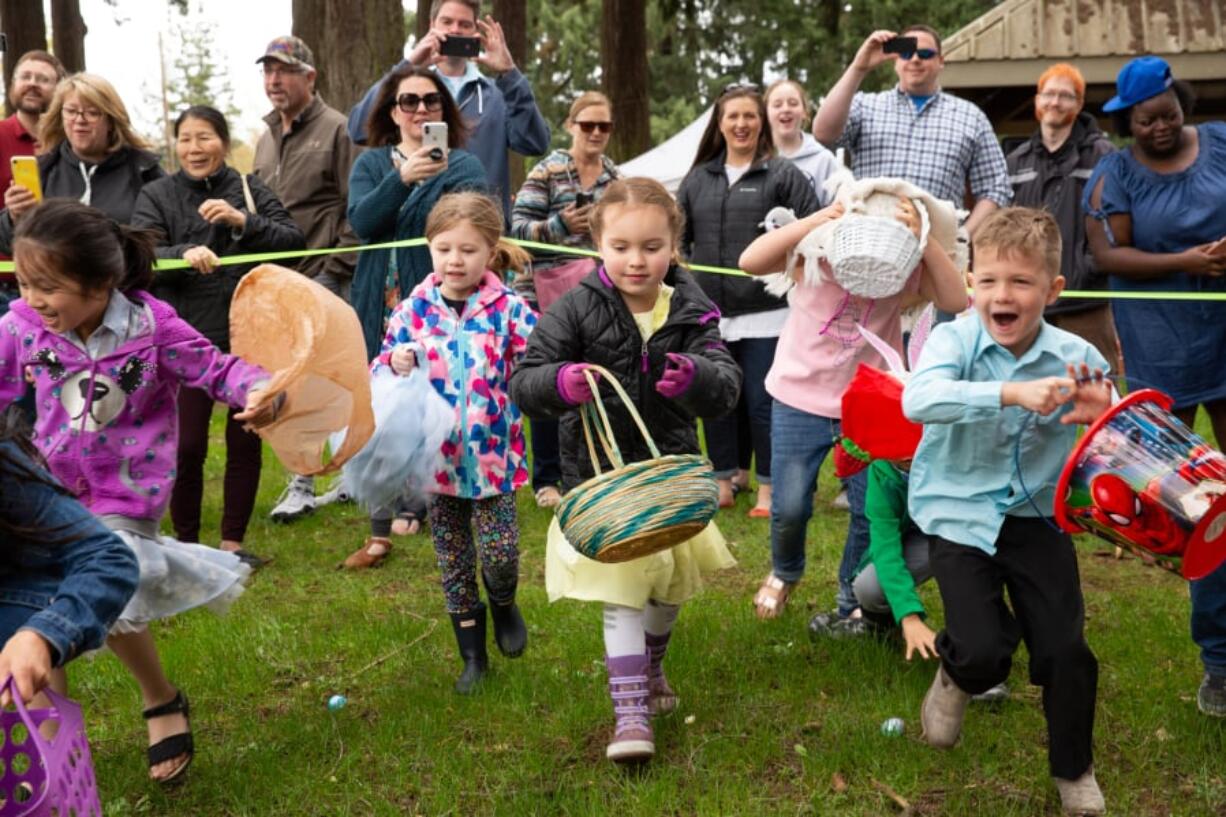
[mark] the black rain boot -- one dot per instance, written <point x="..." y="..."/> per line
<point x="470" y="636"/>
<point x="510" y="632"/>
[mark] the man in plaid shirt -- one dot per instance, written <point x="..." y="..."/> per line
<point x="915" y="131"/>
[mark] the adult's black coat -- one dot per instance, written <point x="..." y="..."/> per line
<point x="591" y="324"/>
<point x="172" y="206"/>
<point x="722" y="220"/>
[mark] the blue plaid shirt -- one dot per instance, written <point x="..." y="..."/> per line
<point x="940" y="147"/>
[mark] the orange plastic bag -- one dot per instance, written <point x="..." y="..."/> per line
<point x="311" y="341"/>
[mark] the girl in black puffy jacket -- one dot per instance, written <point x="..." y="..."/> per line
<point x="643" y="319"/>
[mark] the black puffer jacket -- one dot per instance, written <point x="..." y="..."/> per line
<point x="171" y="206"/>
<point x="721" y="221"/>
<point x="113" y="185"/>
<point x="592" y="324"/>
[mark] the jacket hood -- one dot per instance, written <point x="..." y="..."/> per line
<point x="490" y="290"/>
<point x="808" y="147"/>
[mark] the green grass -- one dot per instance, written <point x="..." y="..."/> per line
<point x="766" y="722"/>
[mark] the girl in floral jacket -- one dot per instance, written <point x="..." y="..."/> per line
<point x="468" y="330"/>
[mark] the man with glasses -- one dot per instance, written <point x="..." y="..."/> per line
<point x="915" y="131"/>
<point x="501" y="112"/>
<point x="1050" y="170"/>
<point x="305" y="157"/>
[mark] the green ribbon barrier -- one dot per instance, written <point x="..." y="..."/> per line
<point x="262" y="257"/>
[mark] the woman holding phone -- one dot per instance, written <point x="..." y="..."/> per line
<point x="553" y="207"/>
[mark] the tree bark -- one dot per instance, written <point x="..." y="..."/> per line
<point x="68" y="34"/>
<point x="26" y="29"/>
<point x="623" y="53"/>
<point x="354" y="42"/>
<point x="513" y="16"/>
<point x="423" y="17"/>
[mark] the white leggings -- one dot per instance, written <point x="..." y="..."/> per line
<point x="624" y="627"/>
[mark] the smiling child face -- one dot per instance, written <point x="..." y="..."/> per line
<point x="1010" y="292"/>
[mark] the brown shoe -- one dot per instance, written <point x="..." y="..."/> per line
<point x="942" y="711"/>
<point x="372" y="553"/>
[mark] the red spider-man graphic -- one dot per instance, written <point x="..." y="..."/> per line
<point x="1136" y="516"/>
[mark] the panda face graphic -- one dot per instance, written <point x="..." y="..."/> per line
<point x="95" y="400"/>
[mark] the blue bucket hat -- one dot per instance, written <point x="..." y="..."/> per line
<point x="1139" y="80"/>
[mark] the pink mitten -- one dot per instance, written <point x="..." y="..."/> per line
<point x="678" y="375"/>
<point x="572" y="384"/>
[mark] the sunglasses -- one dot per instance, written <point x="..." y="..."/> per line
<point x="922" y="53"/>
<point x="409" y="103"/>
<point x="592" y="127"/>
<point x="739" y="86"/>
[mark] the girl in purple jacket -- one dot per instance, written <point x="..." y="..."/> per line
<point x="106" y="360"/>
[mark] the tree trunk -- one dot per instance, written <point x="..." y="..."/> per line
<point x="513" y="16"/>
<point x="26" y="29"/>
<point x="354" y="42"/>
<point x="68" y="34"/>
<point x="623" y="55"/>
<point x="423" y="17"/>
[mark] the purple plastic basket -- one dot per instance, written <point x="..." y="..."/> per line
<point x="45" y="777"/>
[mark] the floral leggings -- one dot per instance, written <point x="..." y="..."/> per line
<point x="452" y="522"/>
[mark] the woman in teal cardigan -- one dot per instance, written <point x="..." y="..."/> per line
<point x="395" y="184"/>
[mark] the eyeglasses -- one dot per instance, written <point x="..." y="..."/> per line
<point x="1063" y="96"/>
<point x="922" y="53"/>
<point x="592" y="127"/>
<point x="37" y="79"/>
<point x="84" y="114"/>
<point x="409" y="103"/>
<point x="739" y="86"/>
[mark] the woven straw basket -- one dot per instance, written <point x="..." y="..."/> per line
<point x="637" y="509"/>
<point x="873" y="253"/>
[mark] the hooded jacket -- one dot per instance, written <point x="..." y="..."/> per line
<point x="172" y="206"/>
<point x="721" y="221"/>
<point x="591" y="324"/>
<point x="113" y="183"/>
<point x="817" y="163"/>
<point x="1055" y="182"/>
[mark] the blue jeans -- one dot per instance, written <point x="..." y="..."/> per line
<point x="1209" y="620"/>
<point x="799" y="444"/>
<point x="746" y="430"/>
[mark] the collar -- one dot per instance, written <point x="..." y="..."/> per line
<point x="904" y="96"/>
<point x="456" y="84"/>
<point x="273" y="117"/>
<point x="208" y="183"/>
<point x="18" y="130"/>
<point x="488" y="291"/>
<point x="716" y="165"/>
<point x="115" y="319"/>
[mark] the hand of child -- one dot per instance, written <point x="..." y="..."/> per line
<point x="202" y="259"/>
<point x="909" y="215"/>
<point x="678" y="375"/>
<point x="572" y="384"/>
<point x="824" y="215"/>
<point x="919" y="637"/>
<point x="1040" y="396"/>
<point x="261" y="411"/>
<point x="1092" y="394"/>
<point x="404" y="358"/>
<point x="27" y="657"/>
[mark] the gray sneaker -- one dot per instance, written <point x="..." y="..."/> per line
<point x="334" y="495"/>
<point x="296" y="501"/>
<point x="996" y="694"/>
<point x="1211" y="697"/>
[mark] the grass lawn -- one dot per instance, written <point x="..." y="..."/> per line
<point x="769" y="722"/>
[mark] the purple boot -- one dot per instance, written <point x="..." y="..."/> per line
<point x="632" y="739"/>
<point x="662" y="698"/>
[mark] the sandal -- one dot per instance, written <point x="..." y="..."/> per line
<point x="772" y="596"/>
<point x="363" y="557"/>
<point x="403" y="524"/>
<point x="175" y="745"/>
<point x="548" y="497"/>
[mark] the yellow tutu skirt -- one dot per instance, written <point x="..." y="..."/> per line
<point x="671" y="576"/>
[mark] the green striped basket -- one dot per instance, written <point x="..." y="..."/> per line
<point x="637" y="509"/>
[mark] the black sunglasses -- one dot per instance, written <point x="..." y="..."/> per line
<point x="922" y="53"/>
<point x="739" y="86"/>
<point x="590" y="127"/>
<point x="408" y="103"/>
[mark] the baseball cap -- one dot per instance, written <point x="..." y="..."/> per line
<point x="1139" y="80"/>
<point x="289" y="50"/>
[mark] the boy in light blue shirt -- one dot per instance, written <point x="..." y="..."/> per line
<point x="1000" y="394"/>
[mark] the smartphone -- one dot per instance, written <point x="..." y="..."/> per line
<point x="434" y="135"/>
<point x="25" y="173"/>
<point x="900" y="45"/>
<point x="583" y="199"/>
<point x="455" y="46"/>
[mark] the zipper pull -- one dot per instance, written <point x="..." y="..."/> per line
<point x="644" y="355"/>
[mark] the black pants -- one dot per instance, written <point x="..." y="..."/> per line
<point x="546" y="453"/>
<point x="1038" y="566"/>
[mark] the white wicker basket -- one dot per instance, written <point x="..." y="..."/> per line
<point x="872" y="253"/>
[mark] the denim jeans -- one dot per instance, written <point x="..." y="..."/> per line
<point x="1209" y="620"/>
<point x="746" y="430"/>
<point x="800" y="442"/>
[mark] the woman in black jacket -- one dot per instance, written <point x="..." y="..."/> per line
<point x="734" y="182"/>
<point x="207" y="211"/>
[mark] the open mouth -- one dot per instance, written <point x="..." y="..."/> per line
<point x="1004" y="320"/>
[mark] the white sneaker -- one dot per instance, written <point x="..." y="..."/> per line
<point x="841" y="502"/>
<point x="297" y="500"/>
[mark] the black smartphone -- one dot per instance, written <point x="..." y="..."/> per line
<point x="583" y="199"/>
<point x="900" y="45"/>
<point x="455" y="46"/>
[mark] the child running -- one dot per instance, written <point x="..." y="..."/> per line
<point x="107" y="360"/>
<point x="1000" y="417"/>
<point x="643" y="318"/>
<point x="469" y="331"/>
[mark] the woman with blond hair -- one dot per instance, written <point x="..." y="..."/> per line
<point x="89" y="152"/>
<point x="789" y="110"/>
<point x="553" y="207"/>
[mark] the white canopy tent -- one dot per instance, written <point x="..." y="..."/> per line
<point x="669" y="161"/>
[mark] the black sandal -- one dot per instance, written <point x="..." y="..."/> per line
<point x="175" y="745"/>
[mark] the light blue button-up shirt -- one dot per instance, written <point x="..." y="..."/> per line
<point x="965" y="480"/>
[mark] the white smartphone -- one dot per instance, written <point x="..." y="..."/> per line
<point x="434" y="134"/>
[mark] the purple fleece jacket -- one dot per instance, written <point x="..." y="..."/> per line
<point x="109" y="428"/>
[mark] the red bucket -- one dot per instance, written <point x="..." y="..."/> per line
<point x="1141" y="479"/>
